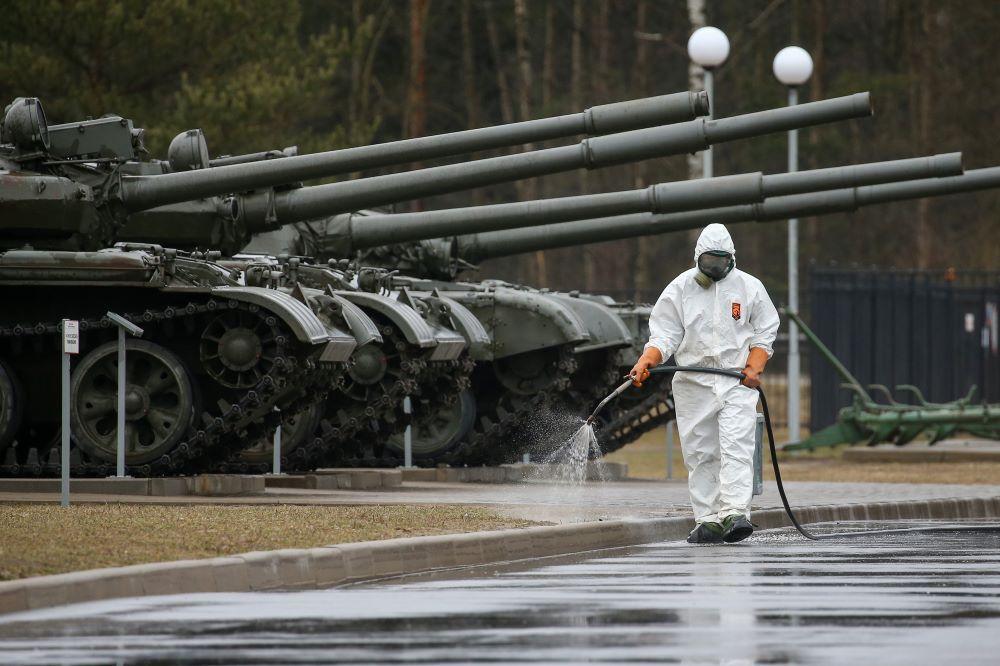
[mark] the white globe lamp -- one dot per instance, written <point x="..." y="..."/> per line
<point x="792" y="66"/>
<point x="708" y="47"/>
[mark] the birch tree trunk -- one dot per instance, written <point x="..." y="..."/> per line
<point x="644" y="250"/>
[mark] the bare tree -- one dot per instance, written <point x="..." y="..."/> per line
<point x="549" y="58"/>
<point x="416" y="96"/>
<point x="493" y="34"/>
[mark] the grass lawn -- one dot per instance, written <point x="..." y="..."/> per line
<point x="646" y="459"/>
<point x="39" y="539"/>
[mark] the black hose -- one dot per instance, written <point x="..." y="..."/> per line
<point x="736" y="374"/>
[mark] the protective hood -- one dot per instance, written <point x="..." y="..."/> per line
<point x="714" y="237"/>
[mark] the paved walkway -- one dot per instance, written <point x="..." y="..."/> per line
<point x="568" y="503"/>
<point x="888" y="599"/>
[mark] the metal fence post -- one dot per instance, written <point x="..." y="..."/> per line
<point x="124" y="326"/>
<point x="276" y="462"/>
<point x="70" y="346"/>
<point x="670" y="449"/>
<point x="64" y="460"/>
<point x="758" y="456"/>
<point x="408" y="434"/>
<point x="120" y="470"/>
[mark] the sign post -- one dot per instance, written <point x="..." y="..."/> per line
<point x="124" y="326"/>
<point x="70" y="346"/>
<point x="408" y="434"/>
<point x="276" y="462"/>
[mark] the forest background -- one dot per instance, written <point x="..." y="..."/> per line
<point x="259" y="74"/>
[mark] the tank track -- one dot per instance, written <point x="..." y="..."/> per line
<point x="368" y="447"/>
<point x="498" y="437"/>
<point x="323" y="382"/>
<point x="349" y="441"/>
<point x="221" y="426"/>
<point x="564" y="414"/>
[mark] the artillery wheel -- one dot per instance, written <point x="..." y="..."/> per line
<point x="160" y="402"/>
<point x="11" y="405"/>
<point x="439" y="427"/>
<point x="296" y="427"/>
<point x="239" y="347"/>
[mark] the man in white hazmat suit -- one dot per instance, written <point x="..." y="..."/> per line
<point x="714" y="315"/>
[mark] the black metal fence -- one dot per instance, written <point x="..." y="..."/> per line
<point x="935" y="330"/>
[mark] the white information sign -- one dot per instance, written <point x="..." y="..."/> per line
<point x="71" y="336"/>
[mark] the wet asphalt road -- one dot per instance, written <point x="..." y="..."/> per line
<point x="894" y="599"/>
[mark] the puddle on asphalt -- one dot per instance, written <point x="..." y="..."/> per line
<point x="776" y="598"/>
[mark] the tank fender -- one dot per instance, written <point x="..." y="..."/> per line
<point x="606" y="328"/>
<point x="450" y="343"/>
<point x="414" y="328"/>
<point x="330" y="311"/>
<point x="300" y="318"/>
<point x="519" y="321"/>
<point x="466" y="323"/>
<point x="362" y="327"/>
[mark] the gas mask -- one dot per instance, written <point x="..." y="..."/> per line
<point x="713" y="266"/>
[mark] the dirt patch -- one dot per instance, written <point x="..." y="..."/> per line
<point x="40" y="539"/>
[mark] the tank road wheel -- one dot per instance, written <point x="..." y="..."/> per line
<point x="529" y="372"/>
<point x="438" y="427"/>
<point x="160" y="404"/>
<point x="238" y="348"/>
<point x="11" y="405"/>
<point x="296" y="428"/>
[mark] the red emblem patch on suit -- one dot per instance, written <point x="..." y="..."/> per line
<point x="736" y="310"/>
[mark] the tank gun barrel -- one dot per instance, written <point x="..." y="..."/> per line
<point x="226" y="160"/>
<point x="236" y="176"/>
<point x="265" y="210"/>
<point x="478" y="247"/>
<point x="375" y="230"/>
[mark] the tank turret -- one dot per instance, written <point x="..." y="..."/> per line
<point x="478" y="247"/>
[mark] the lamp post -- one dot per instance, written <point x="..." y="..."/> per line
<point x="708" y="48"/>
<point x="792" y="67"/>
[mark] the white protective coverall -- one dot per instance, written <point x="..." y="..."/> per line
<point x="716" y="416"/>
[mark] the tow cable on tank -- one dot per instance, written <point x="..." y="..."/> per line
<point x="736" y="374"/>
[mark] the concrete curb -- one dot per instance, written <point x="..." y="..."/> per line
<point x="339" y="479"/>
<point x="352" y="562"/>
<point x="512" y="473"/>
<point x="210" y="485"/>
<point x="920" y="455"/>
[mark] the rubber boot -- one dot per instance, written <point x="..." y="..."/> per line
<point x="736" y="528"/>
<point x="706" y="533"/>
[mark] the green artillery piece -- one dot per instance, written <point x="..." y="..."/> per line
<point x="870" y="422"/>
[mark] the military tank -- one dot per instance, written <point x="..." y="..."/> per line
<point x="287" y="206"/>
<point x="216" y="359"/>
<point x="69" y="188"/>
<point x="501" y="387"/>
<point x="641" y="411"/>
<point x="420" y="358"/>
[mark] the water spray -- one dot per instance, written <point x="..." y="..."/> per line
<point x="736" y="374"/>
